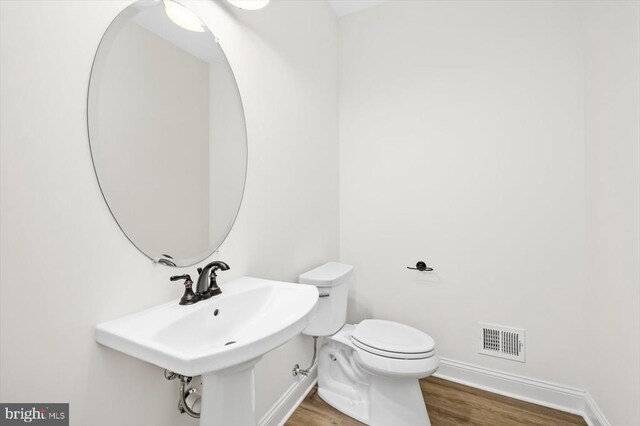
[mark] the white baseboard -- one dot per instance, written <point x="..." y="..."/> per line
<point x="552" y="395"/>
<point x="592" y="413"/>
<point x="292" y="398"/>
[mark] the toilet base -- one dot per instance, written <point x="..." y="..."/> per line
<point x="373" y="399"/>
<point x="355" y="409"/>
<point x="398" y="404"/>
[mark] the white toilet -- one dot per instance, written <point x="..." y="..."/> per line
<point x="370" y="370"/>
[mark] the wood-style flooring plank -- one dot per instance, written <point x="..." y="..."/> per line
<point x="449" y="404"/>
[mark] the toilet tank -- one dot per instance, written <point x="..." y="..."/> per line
<point x="332" y="280"/>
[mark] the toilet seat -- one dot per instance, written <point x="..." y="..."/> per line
<point x="395" y="367"/>
<point x="392" y="349"/>
<point x="392" y="340"/>
<point x="395" y="355"/>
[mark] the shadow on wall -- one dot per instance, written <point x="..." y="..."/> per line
<point x="359" y="304"/>
<point x="358" y="309"/>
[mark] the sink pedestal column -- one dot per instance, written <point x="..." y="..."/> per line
<point x="228" y="397"/>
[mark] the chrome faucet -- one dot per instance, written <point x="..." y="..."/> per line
<point x="206" y="290"/>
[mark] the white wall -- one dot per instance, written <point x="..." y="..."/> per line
<point x="612" y="46"/>
<point x="499" y="141"/>
<point x="65" y="265"/>
<point x="462" y="144"/>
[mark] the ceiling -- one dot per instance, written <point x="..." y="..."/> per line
<point x="346" y="7"/>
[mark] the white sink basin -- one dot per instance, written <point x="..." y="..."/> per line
<point x="254" y="316"/>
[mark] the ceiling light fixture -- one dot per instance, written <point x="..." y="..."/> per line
<point x="249" y="4"/>
<point x="183" y="17"/>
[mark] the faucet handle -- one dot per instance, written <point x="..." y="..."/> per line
<point x="185" y="277"/>
<point x="189" y="297"/>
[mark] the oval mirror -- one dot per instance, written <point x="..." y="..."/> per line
<point x="167" y="132"/>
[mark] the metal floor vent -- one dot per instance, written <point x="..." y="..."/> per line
<point x="502" y="342"/>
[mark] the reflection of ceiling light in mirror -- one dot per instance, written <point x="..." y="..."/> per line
<point x="249" y="4"/>
<point x="183" y="16"/>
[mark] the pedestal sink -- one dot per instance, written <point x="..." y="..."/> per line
<point x="221" y="338"/>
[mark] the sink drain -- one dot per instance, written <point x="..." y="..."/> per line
<point x="230" y="343"/>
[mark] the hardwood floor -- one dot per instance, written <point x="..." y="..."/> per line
<point x="449" y="404"/>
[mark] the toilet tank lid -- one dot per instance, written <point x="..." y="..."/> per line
<point x="328" y="275"/>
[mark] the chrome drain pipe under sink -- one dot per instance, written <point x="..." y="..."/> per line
<point x="184" y="393"/>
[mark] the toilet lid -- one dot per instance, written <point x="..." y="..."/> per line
<point x="391" y="338"/>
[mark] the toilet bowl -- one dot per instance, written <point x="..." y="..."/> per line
<point x="370" y="370"/>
